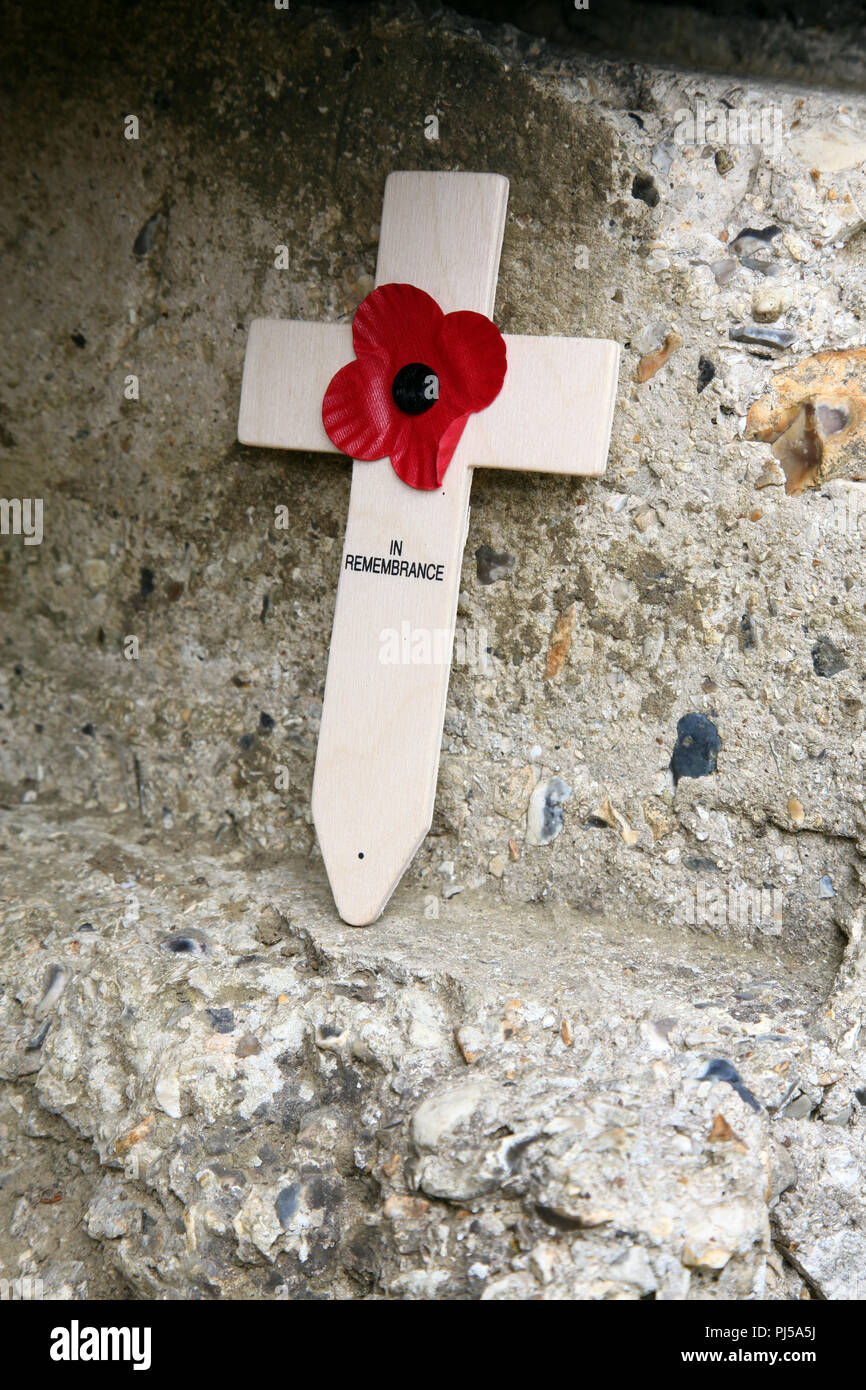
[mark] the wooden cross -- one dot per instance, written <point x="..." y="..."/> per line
<point x="378" y="754"/>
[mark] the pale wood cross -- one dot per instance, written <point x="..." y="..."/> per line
<point x="378" y="754"/>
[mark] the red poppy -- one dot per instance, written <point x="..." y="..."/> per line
<point x="418" y="375"/>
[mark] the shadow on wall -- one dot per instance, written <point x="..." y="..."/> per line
<point x="807" y="41"/>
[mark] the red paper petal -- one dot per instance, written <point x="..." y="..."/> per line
<point x="448" y="443"/>
<point x="414" y="458"/>
<point x="398" y="324"/>
<point x="358" y="411"/>
<point x="416" y="463"/>
<point x="474" y="370"/>
<point x="399" y="320"/>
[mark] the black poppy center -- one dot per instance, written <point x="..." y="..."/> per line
<point x="415" y="388"/>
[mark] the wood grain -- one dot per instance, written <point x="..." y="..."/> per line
<point x="287" y="370"/>
<point x="555" y="412"/>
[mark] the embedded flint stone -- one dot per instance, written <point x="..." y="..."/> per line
<point x="814" y="415"/>
<point x="545" y="815"/>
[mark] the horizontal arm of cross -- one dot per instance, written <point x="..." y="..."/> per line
<point x="553" y="415"/>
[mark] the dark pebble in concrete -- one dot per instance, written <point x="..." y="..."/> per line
<point x="748" y="636"/>
<point x="696" y="747"/>
<point x="491" y="565"/>
<point x="185" y="944"/>
<point x="287" y="1203"/>
<point x="722" y="1070"/>
<point x="223" y="1020"/>
<point x="762" y="335"/>
<point x="643" y="187"/>
<point x="147" y="236"/>
<point x="827" y="659"/>
<point x="706" y="372"/>
<point x="699" y="865"/>
<point x="752" y="239"/>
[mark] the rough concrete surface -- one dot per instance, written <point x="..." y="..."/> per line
<point x="621" y="1060"/>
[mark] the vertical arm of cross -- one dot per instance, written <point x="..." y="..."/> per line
<point x="378" y="754"/>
